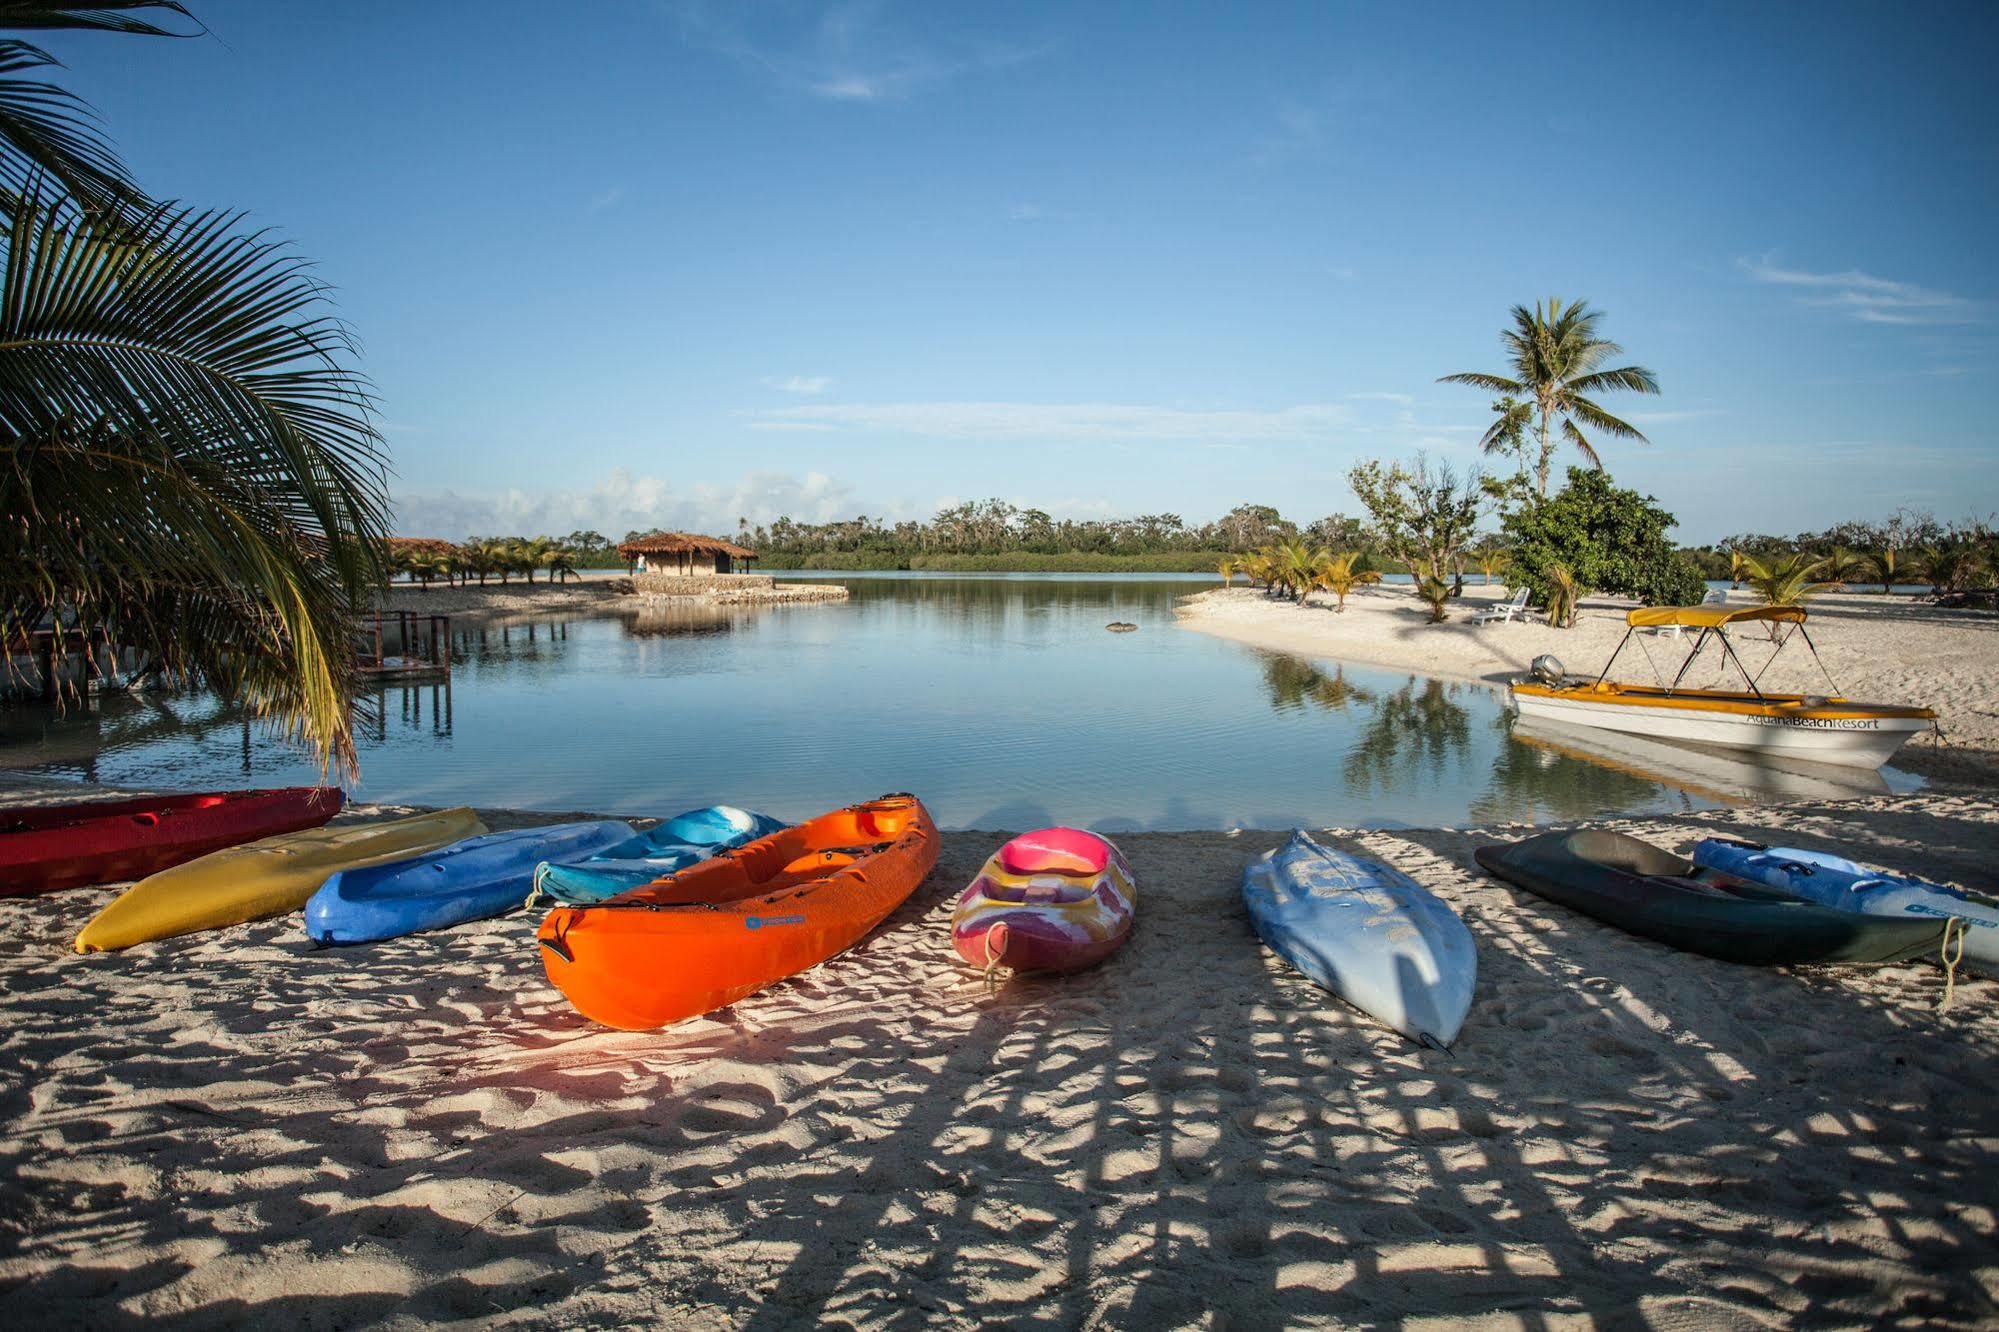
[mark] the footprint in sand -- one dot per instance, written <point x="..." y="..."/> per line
<point x="731" y="1107"/>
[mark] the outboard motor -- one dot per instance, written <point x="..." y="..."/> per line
<point x="1548" y="669"/>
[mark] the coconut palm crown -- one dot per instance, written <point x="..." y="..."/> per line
<point x="1558" y="356"/>
<point x="188" y="461"/>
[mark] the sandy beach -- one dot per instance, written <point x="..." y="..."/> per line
<point x="595" y="595"/>
<point x="233" y="1127"/>
<point x="1882" y="649"/>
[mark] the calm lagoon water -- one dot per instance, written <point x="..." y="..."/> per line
<point x="1001" y="700"/>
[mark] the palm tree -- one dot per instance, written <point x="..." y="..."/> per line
<point x="1228" y="567"/>
<point x="1886" y="560"/>
<point x="1947" y="566"/>
<point x="534" y="552"/>
<point x="1557" y="355"/>
<point x="1843" y="566"/>
<point x="1492" y="562"/>
<point x="1341" y="574"/>
<point x="188" y="460"/>
<point x="475" y="556"/>
<point x="1258" y="567"/>
<point x="1783" y="580"/>
<point x="1563" y="594"/>
<point x="1434" y="589"/>
<point x="1296" y="563"/>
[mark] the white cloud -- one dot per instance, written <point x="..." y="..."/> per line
<point x="1402" y="398"/>
<point x="1025" y="212"/>
<point x="798" y="383"/>
<point x="620" y="503"/>
<point x="606" y="198"/>
<point x="1871" y="299"/>
<point x="851" y="54"/>
<point x="1099" y="421"/>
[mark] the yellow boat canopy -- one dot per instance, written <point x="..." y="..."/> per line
<point x="1710" y="617"/>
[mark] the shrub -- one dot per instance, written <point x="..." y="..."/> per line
<point x="1608" y="538"/>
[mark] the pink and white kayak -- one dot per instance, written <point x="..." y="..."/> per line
<point x="1059" y="899"/>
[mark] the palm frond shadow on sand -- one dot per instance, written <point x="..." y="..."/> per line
<point x="425" y="1130"/>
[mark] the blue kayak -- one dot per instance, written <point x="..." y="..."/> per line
<point x="1839" y="883"/>
<point x="1367" y="932"/>
<point x="468" y="880"/>
<point x="685" y="840"/>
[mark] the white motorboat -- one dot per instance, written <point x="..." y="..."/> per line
<point x="1824" y="728"/>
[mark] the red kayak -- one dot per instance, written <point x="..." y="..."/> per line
<point x="45" y="847"/>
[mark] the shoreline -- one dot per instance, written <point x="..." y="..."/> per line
<point x="220" y="1126"/>
<point x="593" y="596"/>
<point x="1883" y="651"/>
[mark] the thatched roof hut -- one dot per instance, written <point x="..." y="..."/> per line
<point x="421" y="546"/>
<point x="683" y="553"/>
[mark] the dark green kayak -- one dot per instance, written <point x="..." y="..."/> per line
<point x="1638" y="887"/>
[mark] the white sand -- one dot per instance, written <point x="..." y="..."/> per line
<point x="1884" y="650"/>
<point x="232" y="1128"/>
<point x="512" y="600"/>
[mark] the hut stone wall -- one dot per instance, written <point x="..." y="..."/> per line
<point x="670" y="582"/>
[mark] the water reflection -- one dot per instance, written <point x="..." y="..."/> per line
<point x="409" y="704"/>
<point x="1543" y="783"/>
<point x="1715" y="776"/>
<point x="679" y="621"/>
<point x="1294" y="682"/>
<point x="1002" y="701"/>
<point x="1419" y="731"/>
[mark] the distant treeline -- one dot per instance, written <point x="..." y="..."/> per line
<point x="1020" y="561"/>
<point x="995" y="536"/>
<point x="998" y="537"/>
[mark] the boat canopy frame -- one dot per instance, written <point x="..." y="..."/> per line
<point x="1710" y="621"/>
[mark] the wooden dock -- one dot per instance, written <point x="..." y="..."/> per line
<point x="423" y="645"/>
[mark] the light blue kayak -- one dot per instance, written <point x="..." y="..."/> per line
<point x="674" y="845"/>
<point x="468" y="880"/>
<point x="1839" y="883"/>
<point x="1367" y="932"/>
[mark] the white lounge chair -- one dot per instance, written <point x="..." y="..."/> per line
<point x="1506" y="612"/>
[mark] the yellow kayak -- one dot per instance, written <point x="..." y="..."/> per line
<point x="265" y="878"/>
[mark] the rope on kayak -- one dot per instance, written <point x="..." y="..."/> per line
<point x="991" y="974"/>
<point x="1951" y="960"/>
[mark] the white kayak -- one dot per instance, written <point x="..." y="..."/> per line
<point x="1367" y="932"/>
<point x="1839" y="883"/>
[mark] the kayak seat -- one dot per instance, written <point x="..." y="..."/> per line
<point x="1034" y="892"/>
<point x="1055" y="851"/>
<point x="1616" y="851"/>
<point x="1688" y="883"/>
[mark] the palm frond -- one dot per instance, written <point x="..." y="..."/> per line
<point x="1491" y="383"/>
<point x="1784" y="578"/>
<point x="1598" y="419"/>
<point x="1630" y="378"/>
<point x="190" y="463"/>
<point x="46" y="131"/>
<point x="97" y="15"/>
<point x="1583" y="446"/>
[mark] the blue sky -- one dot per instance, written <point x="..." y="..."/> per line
<point x="624" y="264"/>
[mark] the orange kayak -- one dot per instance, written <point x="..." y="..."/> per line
<point x="703" y="938"/>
